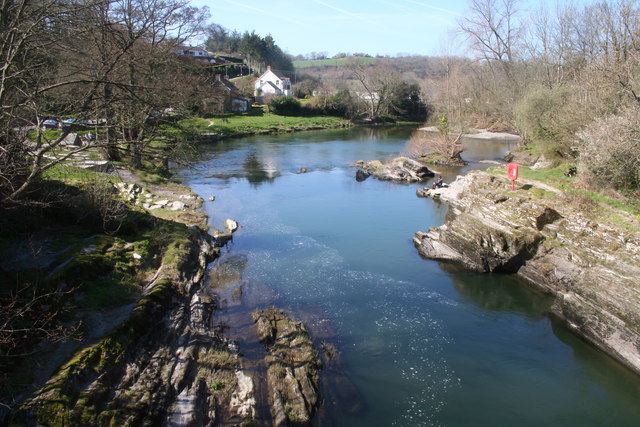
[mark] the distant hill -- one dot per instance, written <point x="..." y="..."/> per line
<point x="339" y="62"/>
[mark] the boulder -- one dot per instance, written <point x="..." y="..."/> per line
<point x="175" y="206"/>
<point x="72" y="139"/>
<point x="400" y="169"/>
<point x="362" y="175"/>
<point x="230" y="225"/>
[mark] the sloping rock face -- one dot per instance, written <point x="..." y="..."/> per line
<point x="562" y="245"/>
<point x="402" y="169"/>
<point x="165" y="365"/>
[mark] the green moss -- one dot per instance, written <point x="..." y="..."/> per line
<point x="60" y="403"/>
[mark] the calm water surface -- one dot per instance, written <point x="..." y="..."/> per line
<point x="422" y="343"/>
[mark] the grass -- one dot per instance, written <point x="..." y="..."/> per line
<point x="556" y="178"/>
<point x="74" y="175"/>
<point x="255" y="122"/>
<point x="340" y="62"/>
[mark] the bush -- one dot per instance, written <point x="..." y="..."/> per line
<point x="285" y="106"/>
<point x="541" y="116"/>
<point x="610" y="151"/>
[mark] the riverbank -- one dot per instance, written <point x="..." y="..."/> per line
<point x="152" y="351"/>
<point x="481" y="134"/>
<point x="586" y="254"/>
<point x="255" y="122"/>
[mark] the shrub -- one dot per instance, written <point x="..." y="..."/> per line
<point x="285" y="106"/>
<point x="610" y="151"/>
<point x="541" y="117"/>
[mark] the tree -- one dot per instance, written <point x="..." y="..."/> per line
<point x="257" y="51"/>
<point x="86" y="59"/>
<point x="492" y="29"/>
<point x="406" y="101"/>
<point x="375" y="86"/>
<point x="610" y="152"/>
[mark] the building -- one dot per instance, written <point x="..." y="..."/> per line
<point x="197" y="53"/>
<point x="226" y="97"/>
<point x="272" y="82"/>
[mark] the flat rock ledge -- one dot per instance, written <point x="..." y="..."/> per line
<point x="293" y="367"/>
<point x="401" y="169"/>
<point x="551" y="239"/>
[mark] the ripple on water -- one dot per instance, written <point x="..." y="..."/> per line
<point x="387" y="318"/>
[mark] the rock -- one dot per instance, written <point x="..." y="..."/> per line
<point x="400" y="169"/>
<point x="72" y="139"/>
<point x="362" y="175"/>
<point x="293" y="367"/>
<point x="304" y="170"/>
<point x="230" y="225"/>
<point x="591" y="271"/>
<point x="156" y="365"/>
<point x="542" y="164"/>
<point x="103" y="166"/>
<point x="243" y="401"/>
<point x="176" y="206"/>
<point x="212" y="198"/>
<point x="521" y="156"/>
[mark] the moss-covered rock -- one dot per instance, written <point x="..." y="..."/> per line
<point x="293" y="367"/>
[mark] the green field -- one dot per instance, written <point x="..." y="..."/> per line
<point x="340" y="62"/>
<point x="258" y="122"/>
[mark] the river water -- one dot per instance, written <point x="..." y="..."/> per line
<point x="421" y="343"/>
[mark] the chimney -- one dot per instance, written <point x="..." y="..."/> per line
<point x="218" y="77"/>
<point x="268" y="67"/>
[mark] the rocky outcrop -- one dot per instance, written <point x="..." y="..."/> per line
<point x="564" y="244"/>
<point x="400" y="169"/>
<point x="293" y="367"/>
<point x="164" y="364"/>
<point x="146" y="370"/>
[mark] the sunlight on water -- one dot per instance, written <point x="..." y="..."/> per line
<point x="424" y="344"/>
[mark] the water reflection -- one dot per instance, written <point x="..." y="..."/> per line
<point x="480" y="153"/>
<point x="260" y="169"/>
<point x="496" y="292"/>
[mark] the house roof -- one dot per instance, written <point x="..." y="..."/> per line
<point x="224" y="82"/>
<point x="268" y="83"/>
<point x="192" y="48"/>
<point x="278" y="73"/>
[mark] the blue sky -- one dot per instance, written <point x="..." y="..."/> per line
<point x="385" y="27"/>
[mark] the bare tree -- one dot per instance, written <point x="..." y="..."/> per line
<point x="494" y="33"/>
<point x="89" y="59"/>
<point x="375" y="86"/>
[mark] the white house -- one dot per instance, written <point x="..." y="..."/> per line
<point x="195" y="52"/>
<point x="272" y="83"/>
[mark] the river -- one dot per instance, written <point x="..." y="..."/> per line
<point x="422" y="343"/>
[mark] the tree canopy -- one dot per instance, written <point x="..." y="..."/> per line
<point x="257" y="51"/>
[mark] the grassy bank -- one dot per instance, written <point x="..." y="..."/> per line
<point x="608" y="205"/>
<point x="255" y="122"/>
